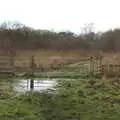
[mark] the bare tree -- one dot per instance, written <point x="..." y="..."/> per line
<point x="88" y="28"/>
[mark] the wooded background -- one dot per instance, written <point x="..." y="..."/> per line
<point x="16" y="36"/>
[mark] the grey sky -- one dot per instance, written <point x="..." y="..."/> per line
<point x="62" y="14"/>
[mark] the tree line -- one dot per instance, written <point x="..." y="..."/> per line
<point x="16" y="36"/>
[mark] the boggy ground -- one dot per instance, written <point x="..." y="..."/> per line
<point x="78" y="99"/>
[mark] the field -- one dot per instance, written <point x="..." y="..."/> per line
<point x="79" y="99"/>
<point x="77" y="96"/>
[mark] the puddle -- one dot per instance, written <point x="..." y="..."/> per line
<point x="23" y="85"/>
<point x="36" y="85"/>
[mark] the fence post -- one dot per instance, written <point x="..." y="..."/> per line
<point x="32" y="64"/>
<point x="91" y="66"/>
<point x="101" y="66"/>
<point x="102" y="71"/>
<point x="32" y="72"/>
<point x="12" y="62"/>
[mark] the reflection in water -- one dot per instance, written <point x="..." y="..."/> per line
<point x="33" y="84"/>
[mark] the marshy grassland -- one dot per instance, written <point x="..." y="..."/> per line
<point x="77" y="96"/>
<point x="88" y="86"/>
<point x="79" y="99"/>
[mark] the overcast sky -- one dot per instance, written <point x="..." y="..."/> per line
<point x="62" y="14"/>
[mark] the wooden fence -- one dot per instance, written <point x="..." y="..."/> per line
<point x="91" y="65"/>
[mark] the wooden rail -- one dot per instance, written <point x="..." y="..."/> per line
<point x="32" y="64"/>
<point x="90" y="65"/>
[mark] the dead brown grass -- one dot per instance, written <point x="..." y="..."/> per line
<point x="111" y="58"/>
<point x="111" y="61"/>
<point x="25" y="57"/>
<point x="50" y="53"/>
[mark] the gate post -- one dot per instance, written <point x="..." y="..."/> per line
<point x="91" y="66"/>
<point x="32" y="64"/>
<point x="11" y="58"/>
<point x="101" y="65"/>
<point x="32" y="73"/>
